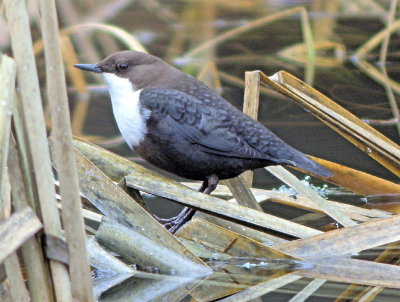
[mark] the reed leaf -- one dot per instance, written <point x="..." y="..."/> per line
<point x="346" y="124"/>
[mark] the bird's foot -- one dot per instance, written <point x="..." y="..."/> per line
<point x="174" y="223"/>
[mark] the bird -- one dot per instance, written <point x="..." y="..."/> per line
<point x="182" y="126"/>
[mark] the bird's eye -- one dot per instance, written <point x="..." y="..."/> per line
<point x="122" y="67"/>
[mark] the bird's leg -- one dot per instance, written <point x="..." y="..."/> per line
<point x="212" y="182"/>
<point x="167" y="221"/>
<point x="174" y="223"/>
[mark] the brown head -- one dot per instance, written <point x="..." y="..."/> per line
<point x="142" y="69"/>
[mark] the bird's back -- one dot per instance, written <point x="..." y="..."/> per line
<point x="253" y="133"/>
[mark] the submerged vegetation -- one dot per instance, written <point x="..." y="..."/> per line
<point x="76" y="219"/>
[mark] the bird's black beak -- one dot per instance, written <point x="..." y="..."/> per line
<point x="88" y="67"/>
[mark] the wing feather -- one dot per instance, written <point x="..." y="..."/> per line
<point x="197" y="122"/>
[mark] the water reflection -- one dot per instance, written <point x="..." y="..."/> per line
<point x="228" y="278"/>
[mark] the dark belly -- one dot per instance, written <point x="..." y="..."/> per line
<point x="189" y="161"/>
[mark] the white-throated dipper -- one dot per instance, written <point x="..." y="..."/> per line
<point x="178" y="124"/>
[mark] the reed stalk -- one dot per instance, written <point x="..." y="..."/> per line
<point x="81" y="283"/>
<point x="32" y="111"/>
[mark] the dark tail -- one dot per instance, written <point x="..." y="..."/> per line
<point x="302" y="161"/>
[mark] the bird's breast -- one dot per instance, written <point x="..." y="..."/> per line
<point x="129" y="115"/>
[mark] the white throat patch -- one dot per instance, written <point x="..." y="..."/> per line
<point x="131" y="120"/>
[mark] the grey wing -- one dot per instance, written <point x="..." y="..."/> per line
<point x="199" y="123"/>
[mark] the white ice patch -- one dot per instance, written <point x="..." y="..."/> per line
<point x="126" y="108"/>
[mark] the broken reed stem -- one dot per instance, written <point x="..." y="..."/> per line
<point x="308" y="291"/>
<point x="12" y="266"/>
<point x="261" y="289"/>
<point x="18" y="290"/>
<point x="328" y="208"/>
<point x="7" y="89"/>
<point x="21" y="140"/>
<point x="382" y="61"/>
<point x="176" y="192"/>
<point x="36" y="269"/>
<point x="242" y="193"/>
<point x="253" y="88"/>
<point x="81" y="283"/>
<point x="141" y="250"/>
<point x="240" y="185"/>
<point x="18" y="228"/>
<point x="345" y="241"/>
<point x="251" y="104"/>
<point x="21" y="42"/>
<point x="116" y="204"/>
<point x="16" y="280"/>
<point x="369" y="140"/>
<point x="389" y="255"/>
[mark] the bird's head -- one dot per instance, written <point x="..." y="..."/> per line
<point x="140" y="68"/>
